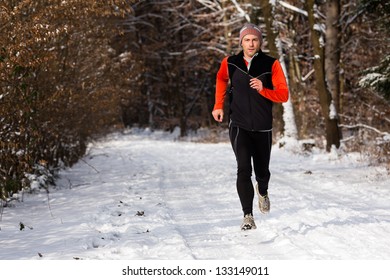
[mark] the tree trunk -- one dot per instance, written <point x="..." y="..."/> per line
<point x="295" y="83"/>
<point x="332" y="50"/>
<point x="290" y="127"/>
<point x="227" y="31"/>
<point x="266" y="9"/>
<point x="276" y="50"/>
<point x="326" y="102"/>
<point x="150" y="108"/>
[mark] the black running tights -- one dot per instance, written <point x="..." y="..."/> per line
<point x="248" y="146"/>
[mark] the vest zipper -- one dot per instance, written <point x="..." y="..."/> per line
<point x="250" y="106"/>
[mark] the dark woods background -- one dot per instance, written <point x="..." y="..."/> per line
<point x="74" y="70"/>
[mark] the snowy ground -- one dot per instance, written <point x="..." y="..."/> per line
<point x="145" y="197"/>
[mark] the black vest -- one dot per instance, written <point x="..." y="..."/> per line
<point x="249" y="109"/>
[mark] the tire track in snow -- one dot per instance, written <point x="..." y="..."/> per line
<point x="173" y="235"/>
<point x="178" y="189"/>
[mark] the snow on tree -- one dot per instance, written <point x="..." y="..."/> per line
<point x="378" y="78"/>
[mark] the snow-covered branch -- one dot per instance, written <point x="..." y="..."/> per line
<point x="241" y="11"/>
<point x="361" y="125"/>
<point x="293" y="8"/>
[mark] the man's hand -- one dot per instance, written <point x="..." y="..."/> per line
<point x="256" y="84"/>
<point x="218" y="115"/>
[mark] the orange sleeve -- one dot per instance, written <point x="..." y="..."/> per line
<point x="221" y="84"/>
<point x="280" y="92"/>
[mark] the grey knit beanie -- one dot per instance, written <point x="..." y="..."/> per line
<point x="250" y="28"/>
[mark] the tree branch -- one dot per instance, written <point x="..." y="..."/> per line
<point x="360" y="125"/>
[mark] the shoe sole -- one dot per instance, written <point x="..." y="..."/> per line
<point x="245" y="229"/>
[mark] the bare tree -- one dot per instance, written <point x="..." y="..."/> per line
<point x="329" y="112"/>
<point x="333" y="50"/>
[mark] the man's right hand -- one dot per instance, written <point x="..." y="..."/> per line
<point x="218" y="115"/>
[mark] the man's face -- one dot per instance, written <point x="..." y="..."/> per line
<point x="250" y="45"/>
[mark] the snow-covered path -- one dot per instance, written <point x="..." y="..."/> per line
<point x="147" y="197"/>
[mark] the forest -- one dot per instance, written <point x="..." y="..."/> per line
<point x="74" y="70"/>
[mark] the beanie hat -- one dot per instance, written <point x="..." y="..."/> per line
<point x="250" y="28"/>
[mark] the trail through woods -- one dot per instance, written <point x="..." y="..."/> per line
<point x="147" y="196"/>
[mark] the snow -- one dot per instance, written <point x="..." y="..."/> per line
<point x="148" y="196"/>
<point x="371" y="79"/>
<point x="332" y="111"/>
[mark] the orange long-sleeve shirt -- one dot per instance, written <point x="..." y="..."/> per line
<point x="278" y="94"/>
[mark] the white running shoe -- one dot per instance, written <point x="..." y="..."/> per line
<point x="248" y="222"/>
<point x="264" y="203"/>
